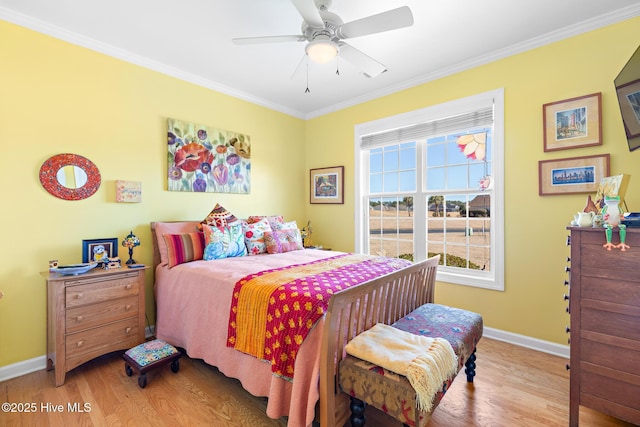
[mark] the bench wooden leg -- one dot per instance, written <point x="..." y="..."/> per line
<point x="357" y="407"/>
<point x="470" y="367"/>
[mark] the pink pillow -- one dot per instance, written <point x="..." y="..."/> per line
<point x="280" y="241"/>
<point x="163" y="228"/>
<point x="185" y="247"/>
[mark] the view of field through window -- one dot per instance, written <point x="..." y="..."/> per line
<point x="457" y="193"/>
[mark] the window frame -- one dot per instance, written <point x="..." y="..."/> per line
<point x="493" y="281"/>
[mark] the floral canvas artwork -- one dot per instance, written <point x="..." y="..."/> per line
<point x="205" y="159"/>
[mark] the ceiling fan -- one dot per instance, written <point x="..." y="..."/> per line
<point x="325" y="33"/>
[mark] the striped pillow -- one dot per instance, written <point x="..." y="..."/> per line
<point x="184" y="247"/>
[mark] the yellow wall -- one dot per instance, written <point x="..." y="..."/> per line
<point x="532" y="303"/>
<point x="56" y="98"/>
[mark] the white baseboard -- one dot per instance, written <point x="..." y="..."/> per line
<point x="38" y="363"/>
<point x="22" y="368"/>
<point x="528" y="342"/>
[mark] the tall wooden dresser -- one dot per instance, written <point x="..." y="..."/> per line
<point x="92" y="314"/>
<point x="604" y="304"/>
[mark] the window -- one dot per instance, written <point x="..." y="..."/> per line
<point x="431" y="182"/>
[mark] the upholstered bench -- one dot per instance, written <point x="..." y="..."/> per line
<point x="392" y="393"/>
<point x="150" y="355"/>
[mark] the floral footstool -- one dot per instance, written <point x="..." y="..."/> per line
<point x="367" y="383"/>
<point x="150" y="355"/>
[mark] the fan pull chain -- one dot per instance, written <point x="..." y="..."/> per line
<point x="337" y="66"/>
<point x="307" y="89"/>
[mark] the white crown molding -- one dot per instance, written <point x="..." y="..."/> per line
<point x="552" y="37"/>
<point x="124" y="55"/>
<point x="74" y="38"/>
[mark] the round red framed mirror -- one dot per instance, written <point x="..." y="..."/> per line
<point x="70" y="176"/>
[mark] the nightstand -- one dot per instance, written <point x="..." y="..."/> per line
<point x="92" y="314"/>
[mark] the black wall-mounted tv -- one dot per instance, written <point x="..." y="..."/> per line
<point x="628" y="91"/>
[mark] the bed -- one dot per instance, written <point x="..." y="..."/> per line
<point x="193" y="310"/>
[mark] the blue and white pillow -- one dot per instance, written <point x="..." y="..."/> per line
<point x="223" y="242"/>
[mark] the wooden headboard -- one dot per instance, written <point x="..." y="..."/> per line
<point x="154" y="240"/>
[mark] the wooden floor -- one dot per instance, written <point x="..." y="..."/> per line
<point x="514" y="386"/>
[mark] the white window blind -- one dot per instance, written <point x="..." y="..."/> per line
<point x="474" y="119"/>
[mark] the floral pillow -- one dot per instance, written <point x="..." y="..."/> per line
<point x="274" y="220"/>
<point x="291" y="225"/>
<point x="183" y="247"/>
<point x="218" y="217"/>
<point x="280" y="241"/>
<point x="254" y="236"/>
<point x="223" y="242"/>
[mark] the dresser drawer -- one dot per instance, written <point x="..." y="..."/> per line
<point x="616" y="291"/>
<point x="614" y="320"/>
<point x="90" y="316"/>
<point x="86" y="345"/>
<point x="622" y="357"/>
<point x="101" y="291"/>
<point x="608" y="385"/>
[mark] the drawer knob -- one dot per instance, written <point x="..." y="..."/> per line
<point x="127" y="330"/>
<point x="128" y="286"/>
<point x="79" y="318"/>
<point x="567" y="329"/>
<point x="567" y="269"/>
<point x="565" y="297"/>
<point x="568" y="310"/>
<point x="128" y="307"/>
<point x="79" y="295"/>
<point x="566" y="283"/>
<point x="79" y="343"/>
<point x="567" y="366"/>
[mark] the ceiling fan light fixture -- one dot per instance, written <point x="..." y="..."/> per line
<point x="322" y="50"/>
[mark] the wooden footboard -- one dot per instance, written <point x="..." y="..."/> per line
<point x="382" y="300"/>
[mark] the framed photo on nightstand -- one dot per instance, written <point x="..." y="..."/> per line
<point x="98" y="250"/>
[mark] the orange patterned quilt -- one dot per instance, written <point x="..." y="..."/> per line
<point x="273" y="311"/>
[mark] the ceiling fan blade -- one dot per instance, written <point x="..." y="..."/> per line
<point x="309" y="12"/>
<point x="367" y="65"/>
<point x="269" y="39"/>
<point x="385" y="21"/>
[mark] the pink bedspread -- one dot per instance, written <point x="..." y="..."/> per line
<point x="193" y="313"/>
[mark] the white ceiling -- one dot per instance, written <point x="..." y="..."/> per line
<point x="191" y="40"/>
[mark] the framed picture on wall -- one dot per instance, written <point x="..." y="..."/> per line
<point x="98" y="250"/>
<point x="572" y="123"/>
<point x="573" y="175"/>
<point x="327" y="185"/>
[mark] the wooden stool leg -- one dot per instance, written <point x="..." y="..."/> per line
<point x="470" y="367"/>
<point x="142" y="380"/>
<point x="357" y="412"/>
